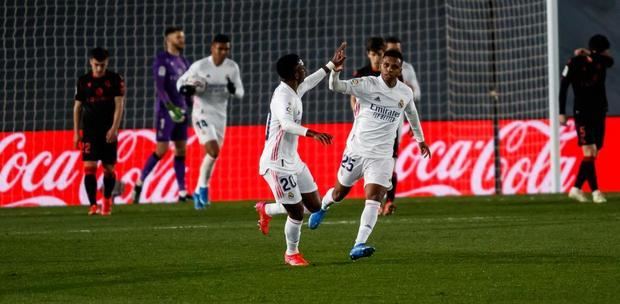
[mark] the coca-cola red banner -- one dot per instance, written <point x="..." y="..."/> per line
<point x="41" y="168"/>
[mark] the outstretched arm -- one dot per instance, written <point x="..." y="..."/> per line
<point x="335" y="84"/>
<point x="314" y="79"/>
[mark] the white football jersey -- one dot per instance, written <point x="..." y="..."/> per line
<point x="214" y="100"/>
<point x="284" y="127"/>
<point x="378" y="115"/>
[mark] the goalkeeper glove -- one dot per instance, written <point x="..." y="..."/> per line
<point x="176" y="114"/>
<point x="187" y="90"/>
<point x="230" y="86"/>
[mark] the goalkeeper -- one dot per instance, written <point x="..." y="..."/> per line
<point x="171" y="118"/>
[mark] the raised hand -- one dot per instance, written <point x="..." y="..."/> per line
<point x="339" y="55"/>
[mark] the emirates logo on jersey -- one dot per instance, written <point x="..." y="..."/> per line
<point x="107" y="84"/>
<point x="90" y="84"/>
<point x="99" y="92"/>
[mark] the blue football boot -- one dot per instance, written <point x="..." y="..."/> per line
<point x="361" y="250"/>
<point x="204" y="196"/>
<point x="201" y="198"/>
<point x="316" y="218"/>
<point x="198" y="205"/>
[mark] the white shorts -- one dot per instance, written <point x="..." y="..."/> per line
<point x="373" y="170"/>
<point x="208" y="128"/>
<point x="287" y="188"/>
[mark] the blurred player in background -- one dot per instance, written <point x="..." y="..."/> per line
<point x="375" y="46"/>
<point x="211" y="81"/>
<point x="381" y="101"/>
<point x="99" y="102"/>
<point x="286" y="174"/>
<point x="586" y="72"/>
<point x="171" y="117"/>
<point x="409" y="77"/>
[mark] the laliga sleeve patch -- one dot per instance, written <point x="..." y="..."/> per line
<point x="355" y="82"/>
<point x="565" y="71"/>
<point x="161" y="71"/>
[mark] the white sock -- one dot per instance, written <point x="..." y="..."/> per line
<point x="367" y="221"/>
<point x="328" y="199"/>
<point x="204" y="175"/>
<point x="274" y="209"/>
<point x="292" y="232"/>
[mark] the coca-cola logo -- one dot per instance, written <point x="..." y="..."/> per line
<point x="38" y="175"/>
<point x="525" y="162"/>
<point x="36" y="171"/>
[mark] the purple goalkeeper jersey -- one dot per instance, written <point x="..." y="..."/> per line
<point x="167" y="68"/>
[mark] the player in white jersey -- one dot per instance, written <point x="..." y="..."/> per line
<point x="286" y="174"/>
<point x="211" y="81"/>
<point x="368" y="154"/>
<point x="408" y="76"/>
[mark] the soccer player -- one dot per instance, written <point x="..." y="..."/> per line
<point x="286" y="174"/>
<point x="211" y="81"/>
<point x="586" y="72"/>
<point x="170" y="110"/>
<point x="409" y="77"/>
<point x="381" y="100"/>
<point x="99" y="102"/>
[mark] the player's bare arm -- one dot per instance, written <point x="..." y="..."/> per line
<point x="119" y="103"/>
<point x="77" y="113"/>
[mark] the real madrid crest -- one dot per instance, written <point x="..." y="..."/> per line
<point x="401" y="103"/>
<point x="355" y="82"/>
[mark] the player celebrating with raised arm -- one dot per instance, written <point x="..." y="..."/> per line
<point x="586" y="72"/>
<point x="288" y="177"/>
<point x="170" y="110"/>
<point x="368" y="154"/>
<point x="99" y="99"/>
<point x="212" y="81"/>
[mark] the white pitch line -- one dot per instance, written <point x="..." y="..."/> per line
<point x="228" y="226"/>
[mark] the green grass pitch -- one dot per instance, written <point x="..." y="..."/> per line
<point x="514" y="249"/>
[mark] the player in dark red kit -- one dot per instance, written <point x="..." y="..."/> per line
<point x="99" y="99"/>
<point x="586" y="72"/>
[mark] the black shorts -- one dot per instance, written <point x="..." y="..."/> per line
<point x="94" y="149"/>
<point x="590" y="131"/>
